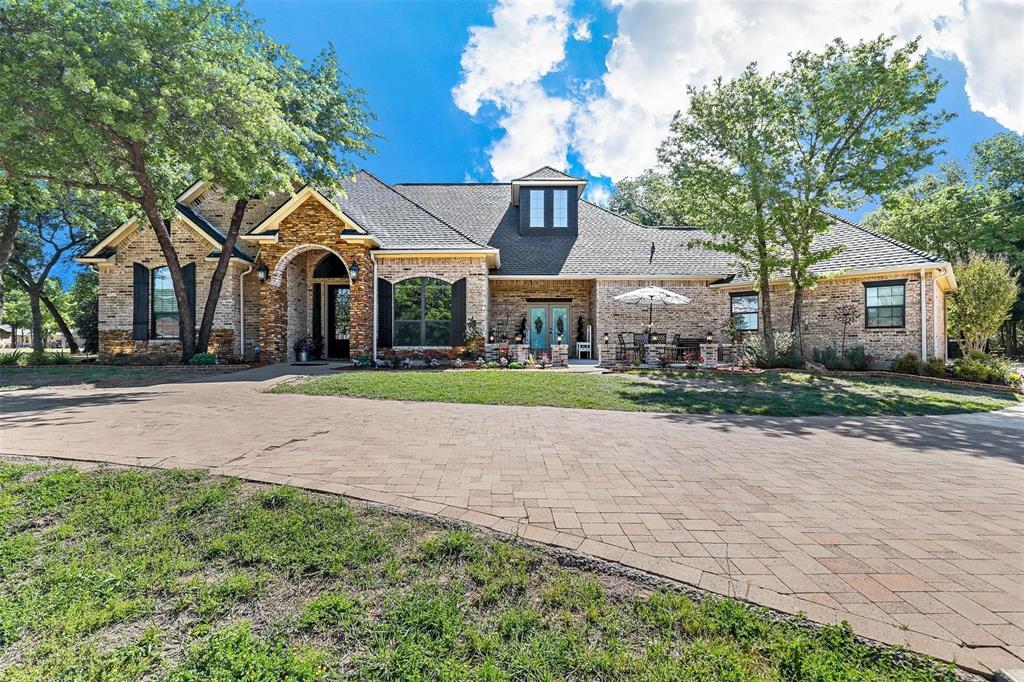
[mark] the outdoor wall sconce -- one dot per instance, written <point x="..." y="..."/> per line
<point x="654" y="338"/>
<point x="353" y="272"/>
<point x="559" y="339"/>
<point x="519" y="338"/>
<point x="262" y="272"/>
<point x="710" y="337"/>
<point x="606" y="339"/>
<point x="491" y="337"/>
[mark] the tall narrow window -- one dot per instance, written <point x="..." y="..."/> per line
<point x="885" y="304"/>
<point x="165" y="306"/>
<point x="536" y="208"/>
<point x="560" y="204"/>
<point x="423" y="312"/>
<point x="744" y="310"/>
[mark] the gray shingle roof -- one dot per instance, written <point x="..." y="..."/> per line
<point x="608" y="244"/>
<point x="548" y="173"/>
<point x="395" y="219"/>
<point x="206" y="226"/>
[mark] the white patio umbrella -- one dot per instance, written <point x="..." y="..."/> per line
<point x="652" y="296"/>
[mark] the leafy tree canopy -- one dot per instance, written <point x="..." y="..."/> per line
<point x="988" y="289"/>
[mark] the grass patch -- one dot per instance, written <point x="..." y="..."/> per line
<point x="777" y="394"/>
<point x="126" y="575"/>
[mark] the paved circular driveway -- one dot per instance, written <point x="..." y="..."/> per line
<point x="911" y="529"/>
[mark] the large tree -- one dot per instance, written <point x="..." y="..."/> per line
<point x="725" y="158"/>
<point x="139" y="98"/>
<point x="47" y="238"/>
<point x="962" y="210"/>
<point x="858" y="121"/>
<point x="648" y="199"/>
<point x="987" y="291"/>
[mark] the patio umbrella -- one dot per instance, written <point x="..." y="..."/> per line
<point x="652" y="296"/>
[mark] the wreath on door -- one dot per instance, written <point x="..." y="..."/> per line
<point x="538" y="324"/>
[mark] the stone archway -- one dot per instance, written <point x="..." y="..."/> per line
<point x="282" y="263"/>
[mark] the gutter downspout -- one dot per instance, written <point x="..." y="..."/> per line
<point x="924" y="325"/>
<point x="373" y="259"/>
<point x="241" y="311"/>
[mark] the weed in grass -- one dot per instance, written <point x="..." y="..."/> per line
<point x="450" y="545"/>
<point x="235" y="653"/>
<point x="502" y="572"/>
<point x="337" y="614"/>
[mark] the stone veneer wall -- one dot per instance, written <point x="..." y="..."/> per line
<point x="709" y="309"/>
<point x="513" y="296"/>
<point x="311" y="229"/>
<point x="448" y="269"/>
<point x="116" y="302"/>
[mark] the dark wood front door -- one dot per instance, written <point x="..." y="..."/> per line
<point x="337" y="320"/>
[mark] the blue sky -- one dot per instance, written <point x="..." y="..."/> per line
<point x="484" y="91"/>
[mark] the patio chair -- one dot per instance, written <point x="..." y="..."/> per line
<point x="585" y="346"/>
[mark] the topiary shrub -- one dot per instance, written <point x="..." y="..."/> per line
<point x="203" y="359"/>
<point x="934" y="367"/>
<point x="907" y="364"/>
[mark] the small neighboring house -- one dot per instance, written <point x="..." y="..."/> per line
<point x="406" y="266"/>
<point x="14" y="337"/>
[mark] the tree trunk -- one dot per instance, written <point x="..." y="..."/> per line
<point x="149" y="207"/>
<point x="12" y="220"/>
<point x="59" y="319"/>
<point x="764" y="295"/>
<point x="37" y="321"/>
<point x="796" y="319"/>
<point x="217" y="281"/>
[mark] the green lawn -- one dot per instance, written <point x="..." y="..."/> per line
<point x="786" y="394"/>
<point x="126" y="575"/>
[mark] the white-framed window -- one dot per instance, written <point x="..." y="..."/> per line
<point x="536" y="208"/>
<point x="743" y="307"/>
<point x="560" y="206"/>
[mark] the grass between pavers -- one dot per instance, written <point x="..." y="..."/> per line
<point x="101" y="376"/>
<point x="127" y="575"/>
<point x="779" y="394"/>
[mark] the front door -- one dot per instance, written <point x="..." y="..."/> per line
<point x="549" y="325"/>
<point x="337" y="320"/>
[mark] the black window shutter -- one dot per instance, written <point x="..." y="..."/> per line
<point x="385" y="296"/>
<point x="524" y="209"/>
<point x="549" y="208"/>
<point x="459" y="312"/>
<point x="574" y="209"/>
<point x="188" y="273"/>
<point x="140" y="302"/>
<point x="317" y="323"/>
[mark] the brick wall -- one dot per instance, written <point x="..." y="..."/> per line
<point x="510" y="303"/>
<point x="448" y="269"/>
<point x="116" y="300"/>
<point x="709" y="310"/>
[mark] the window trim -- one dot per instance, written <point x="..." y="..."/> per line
<point x="152" y="307"/>
<point x="534" y="193"/>
<point x="733" y="295"/>
<point x="423" y="280"/>
<point x="879" y="284"/>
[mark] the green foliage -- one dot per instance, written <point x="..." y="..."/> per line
<point x="853" y="359"/>
<point x="977" y="366"/>
<point x="934" y="367"/>
<point x="333" y="613"/>
<point x="648" y="199"/>
<point x="987" y="291"/>
<point x="782" y="352"/>
<point x="11" y="359"/>
<point x="449" y="546"/>
<point x="204" y="359"/>
<point x="907" y="364"/>
<point x="517" y="364"/>
<point x="235" y="653"/>
<point x="83" y="304"/>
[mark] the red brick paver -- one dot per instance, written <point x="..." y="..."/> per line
<point x="911" y="529"/>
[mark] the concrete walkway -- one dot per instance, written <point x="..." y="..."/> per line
<point x="911" y="529"/>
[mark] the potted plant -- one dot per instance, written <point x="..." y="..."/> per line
<point x="302" y="349"/>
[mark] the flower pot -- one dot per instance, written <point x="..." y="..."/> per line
<point x="302" y="356"/>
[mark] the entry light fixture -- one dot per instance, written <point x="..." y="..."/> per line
<point x="262" y="272"/>
<point x="710" y="337"/>
<point x="654" y="338"/>
<point x="491" y="337"/>
<point x="559" y="339"/>
<point x="353" y="271"/>
<point x="606" y="339"/>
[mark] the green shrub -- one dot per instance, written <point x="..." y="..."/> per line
<point x="934" y="367"/>
<point x="11" y="359"/>
<point x="203" y="359"/>
<point x="517" y="365"/>
<point x="907" y="364"/>
<point x="35" y="358"/>
<point x="977" y="366"/>
<point x="491" y="364"/>
<point x="787" y="355"/>
<point x="854" y="358"/>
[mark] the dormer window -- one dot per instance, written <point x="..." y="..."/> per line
<point x="561" y="208"/>
<point x="536" y="208"/>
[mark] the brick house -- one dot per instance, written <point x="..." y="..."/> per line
<point x="407" y="266"/>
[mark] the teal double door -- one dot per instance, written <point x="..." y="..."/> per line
<point x="548" y="325"/>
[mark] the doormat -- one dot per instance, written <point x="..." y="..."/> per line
<point x="310" y="364"/>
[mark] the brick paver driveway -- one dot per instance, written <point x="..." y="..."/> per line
<point x="912" y="529"/>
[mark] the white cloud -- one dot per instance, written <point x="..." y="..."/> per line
<point x="503" y="65"/>
<point x="581" y="30"/>
<point x="597" y="194"/>
<point x="662" y="47"/>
